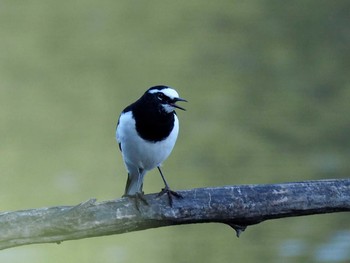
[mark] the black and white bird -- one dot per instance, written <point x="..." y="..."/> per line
<point x="146" y="133"/>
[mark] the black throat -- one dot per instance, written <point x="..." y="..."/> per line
<point x="153" y="123"/>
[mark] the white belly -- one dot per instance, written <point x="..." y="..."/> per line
<point x="138" y="152"/>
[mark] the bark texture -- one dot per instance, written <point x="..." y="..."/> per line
<point x="238" y="206"/>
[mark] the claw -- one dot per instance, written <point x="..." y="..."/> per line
<point x="170" y="194"/>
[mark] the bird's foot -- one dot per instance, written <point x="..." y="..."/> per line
<point x="170" y="194"/>
<point x="139" y="198"/>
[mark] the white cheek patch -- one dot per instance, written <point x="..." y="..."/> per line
<point x="168" y="108"/>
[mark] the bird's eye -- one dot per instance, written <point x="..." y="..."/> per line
<point x="161" y="97"/>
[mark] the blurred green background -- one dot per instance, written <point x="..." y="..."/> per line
<point x="268" y="86"/>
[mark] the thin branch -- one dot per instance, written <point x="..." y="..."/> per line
<point x="237" y="206"/>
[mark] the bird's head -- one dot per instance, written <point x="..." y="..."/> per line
<point x="166" y="97"/>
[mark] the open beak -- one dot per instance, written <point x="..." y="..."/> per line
<point x="177" y="106"/>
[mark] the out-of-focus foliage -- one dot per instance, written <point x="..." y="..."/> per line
<point x="268" y="90"/>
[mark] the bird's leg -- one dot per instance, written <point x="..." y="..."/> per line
<point x="134" y="185"/>
<point x="138" y="198"/>
<point x="167" y="190"/>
